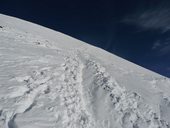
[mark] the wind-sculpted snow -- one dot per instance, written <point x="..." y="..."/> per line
<point x="128" y="107"/>
<point x="50" y="80"/>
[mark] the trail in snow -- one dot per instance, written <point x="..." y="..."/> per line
<point x="76" y="115"/>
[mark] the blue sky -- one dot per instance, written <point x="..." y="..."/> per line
<point x="137" y="30"/>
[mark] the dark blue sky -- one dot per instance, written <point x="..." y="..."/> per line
<point x="137" y="30"/>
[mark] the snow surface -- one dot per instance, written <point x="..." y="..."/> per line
<point x="50" y="80"/>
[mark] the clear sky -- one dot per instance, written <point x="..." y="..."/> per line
<point x="137" y="30"/>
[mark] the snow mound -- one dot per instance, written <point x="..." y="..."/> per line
<point x="50" y="80"/>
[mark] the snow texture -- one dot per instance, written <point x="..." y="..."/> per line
<point x="50" y="80"/>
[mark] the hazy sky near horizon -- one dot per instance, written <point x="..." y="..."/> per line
<point x="138" y="31"/>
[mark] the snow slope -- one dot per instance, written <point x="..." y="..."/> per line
<point x="50" y="80"/>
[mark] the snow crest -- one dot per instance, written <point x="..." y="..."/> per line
<point x="130" y="109"/>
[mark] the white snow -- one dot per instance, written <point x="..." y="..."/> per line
<point x="50" y="80"/>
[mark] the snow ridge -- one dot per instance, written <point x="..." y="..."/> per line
<point x="131" y="111"/>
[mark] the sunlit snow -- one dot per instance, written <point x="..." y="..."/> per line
<point x="51" y="80"/>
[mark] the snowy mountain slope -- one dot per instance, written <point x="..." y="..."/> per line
<point x="50" y="80"/>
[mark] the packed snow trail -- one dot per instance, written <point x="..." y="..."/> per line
<point x="75" y="115"/>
